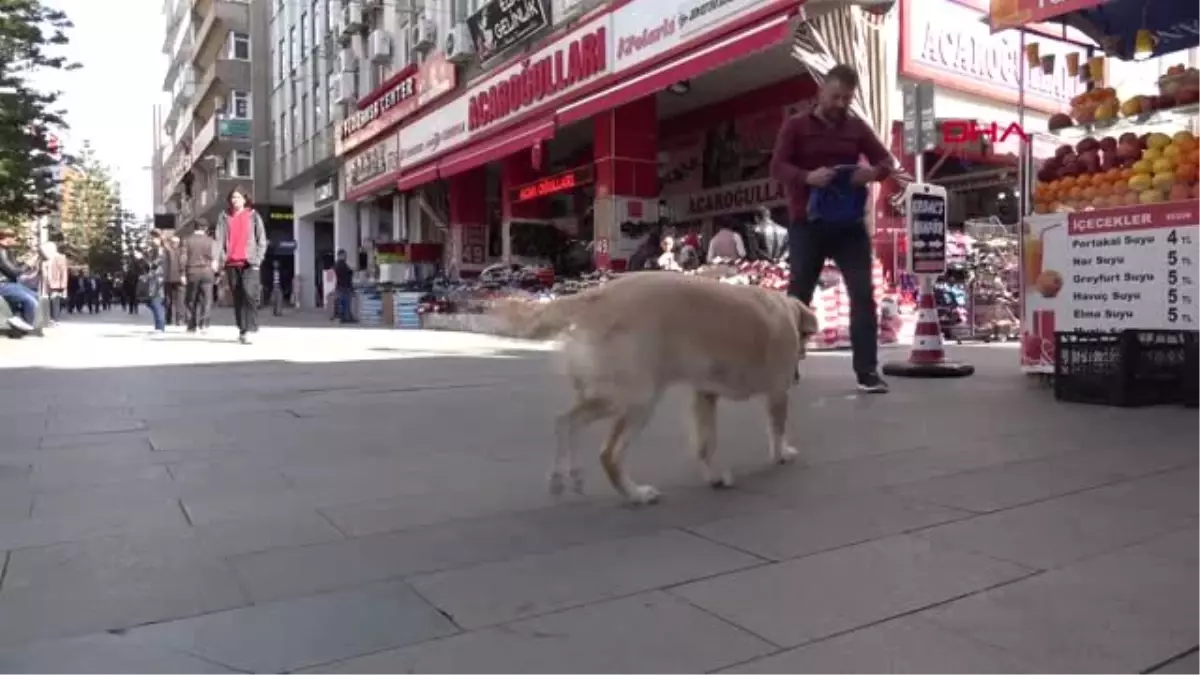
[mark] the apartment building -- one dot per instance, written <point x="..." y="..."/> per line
<point x="330" y="59"/>
<point x="216" y="129"/>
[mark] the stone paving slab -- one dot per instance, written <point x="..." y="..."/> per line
<point x="375" y="500"/>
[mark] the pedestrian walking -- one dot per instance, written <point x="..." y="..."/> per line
<point x="816" y="160"/>
<point x="343" y="292"/>
<point x="55" y="273"/>
<point x="151" y="284"/>
<point x="242" y="245"/>
<point x="174" y="274"/>
<point x="198" y="260"/>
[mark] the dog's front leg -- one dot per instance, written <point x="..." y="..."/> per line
<point x="612" y="455"/>
<point x="704" y="438"/>
<point x="777" y="414"/>
<point x="567" y="428"/>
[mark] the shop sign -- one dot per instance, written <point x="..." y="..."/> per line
<point x="378" y="160"/>
<point x="400" y="97"/>
<point x="563" y="182"/>
<point x="958" y="132"/>
<point x="441" y="130"/>
<point x="644" y="30"/>
<point x="501" y="24"/>
<point x="946" y="43"/>
<point x="548" y="74"/>
<point x="735" y="198"/>
<point x="325" y="191"/>
<point x="925" y="209"/>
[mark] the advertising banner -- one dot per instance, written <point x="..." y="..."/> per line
<point x="1106" y="271"/>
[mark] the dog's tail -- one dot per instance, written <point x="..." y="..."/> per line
<point x="540" y="320"/>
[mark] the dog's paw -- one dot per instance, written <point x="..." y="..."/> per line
<point x="576" y="478"/>
<point x="725" y="480"/>
<point x="644" y="495"/>
<point x="555" y="483"/>
<point x="786" y="455"/>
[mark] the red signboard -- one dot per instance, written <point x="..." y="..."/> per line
<point x="1015" y="13"/>
<point x="552" y="185"/>
<point x="401" y="96"/>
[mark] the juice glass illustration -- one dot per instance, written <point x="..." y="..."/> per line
<point x="1033" y="258"/>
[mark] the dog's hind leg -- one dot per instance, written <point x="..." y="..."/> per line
<point x="626" y="427"/>
<point x="777" y="414"/>
<point x="704" y="438"/>
<point x="567" y="428"/>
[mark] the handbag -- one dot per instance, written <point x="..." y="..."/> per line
<point x="840" y="201"/>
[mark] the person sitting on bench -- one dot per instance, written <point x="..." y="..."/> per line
<point x="22" y="300"/>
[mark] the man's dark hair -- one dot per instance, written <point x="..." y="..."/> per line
<point x="844" y="74"/>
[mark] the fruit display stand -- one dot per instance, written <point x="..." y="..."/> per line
<point x="1109" y="239"/>
<point x="1112" y="244"/>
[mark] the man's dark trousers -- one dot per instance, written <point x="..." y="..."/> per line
<point x="810" y="243"/>
<point x="175" y="304"/>
<point x="199" y="299"/>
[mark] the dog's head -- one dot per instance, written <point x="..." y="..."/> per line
<point x="806" y="322"/>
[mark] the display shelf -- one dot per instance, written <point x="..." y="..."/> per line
<point x="1184" y="114"/>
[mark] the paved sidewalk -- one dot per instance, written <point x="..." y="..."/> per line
<point x="374" y="501"/>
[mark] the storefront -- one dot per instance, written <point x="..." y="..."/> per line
<point x="600" y="81"/>
<point x="361" y="207"/>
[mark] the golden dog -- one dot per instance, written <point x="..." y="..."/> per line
<point x="627" y="341"/>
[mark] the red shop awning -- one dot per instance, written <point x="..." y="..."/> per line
<point x="768" y="32"/>
<point x="508" y="141"/>
<point x="410" y="180"/>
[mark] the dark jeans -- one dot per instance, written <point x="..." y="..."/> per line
<point x="849" y="246"/>
<point x="20" y="299"/>
<point x="174" y="298"/>
<point x="158" y="312"/>
<point x="243" y="284"/>
<point x="199" y="300"/>
<point x="56" y="306"/>
<point x="343" y="304"/>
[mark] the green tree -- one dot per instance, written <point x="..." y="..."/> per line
<point x="92" y="216"/>
<point x="30" y="33"/>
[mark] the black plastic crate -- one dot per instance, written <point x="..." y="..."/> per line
<point x="1191" y="371"/>
<point x="1129" y="369"/>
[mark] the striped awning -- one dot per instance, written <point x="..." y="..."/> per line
<point x="842" y="31"/>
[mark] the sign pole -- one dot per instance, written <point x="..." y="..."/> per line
<point x="925" y="211"/>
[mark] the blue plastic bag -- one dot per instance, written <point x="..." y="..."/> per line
<point x="840" y="201"/>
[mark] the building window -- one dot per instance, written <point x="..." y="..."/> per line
<point x="281" y="133"/>
<point x="279" y="64"/>
<point x="239" y="46"/>
<point x="292" y="47"/>
<point x="303" y="115"/>
<point x="239" y="105"/>
<point x="241" y="164"/>
<point x="303" y="35"/>
<point x="316" y="30"/>
<point x="296" y="125"/>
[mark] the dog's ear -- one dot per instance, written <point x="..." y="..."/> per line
<point x="806" y="319"/>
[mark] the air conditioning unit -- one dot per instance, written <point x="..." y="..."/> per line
<point x="352" y="17"/>
<point x="348" y="60"/>
<point x="424" y="34"/>
<point x="381" y="46"/>
<point x="346" y="93"/>
<point x="459" y="48"/>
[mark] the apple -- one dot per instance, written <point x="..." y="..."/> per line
<point x="1089" y="161"/>
<point x="1087" y="145"/>
<point x="1128" y="137"/>
<point x="1063" y="151"/>
<point x="1108" y="144"/>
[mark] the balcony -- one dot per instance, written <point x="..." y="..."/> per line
<point x="221" y="17"/>
<point x="224" y="132"/>
<point x="178" y="60"/>
<point x="221" y="76"/>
